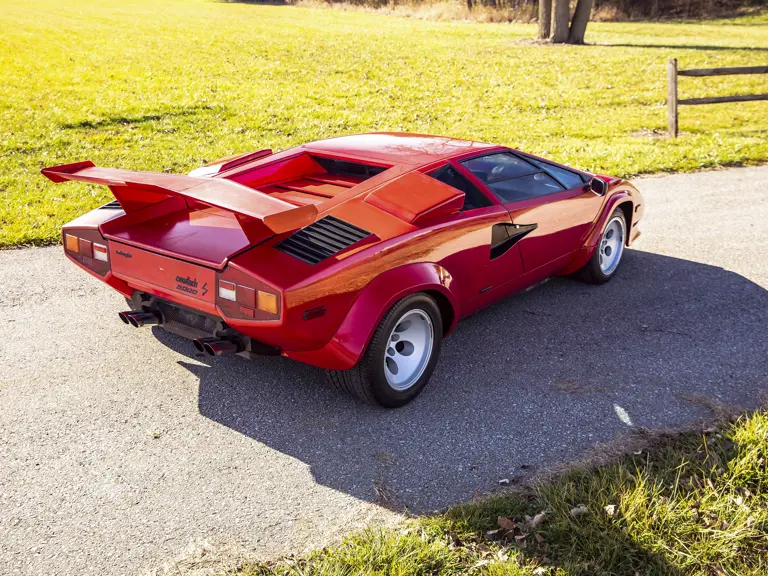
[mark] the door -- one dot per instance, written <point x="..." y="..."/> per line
<point x="550" y="208"/>
<point x="487" y="259"/>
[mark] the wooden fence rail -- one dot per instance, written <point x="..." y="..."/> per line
<point x="673" y="102"/>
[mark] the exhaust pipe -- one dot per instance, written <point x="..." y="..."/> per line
<point x="218" y="347"/>
<point x="138" y="318"/>
<point x="200" y="342"/>
<point x="222" y="348"/>
<point x="124" y="316"/>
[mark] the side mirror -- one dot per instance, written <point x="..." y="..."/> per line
<point x="597" y="186"/>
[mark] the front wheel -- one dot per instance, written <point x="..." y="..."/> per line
<point x="400" y="357"/>
<point x="607" y="257"/>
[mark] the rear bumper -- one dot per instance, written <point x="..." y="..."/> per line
<point x="152" y="279"/>
<point x="194" y="324"/>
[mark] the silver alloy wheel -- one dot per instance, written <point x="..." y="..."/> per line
<point x="409" y="349"/>
<point x="612" y="245"/>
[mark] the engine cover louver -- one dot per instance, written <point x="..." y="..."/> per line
<point x="321" y="240"/>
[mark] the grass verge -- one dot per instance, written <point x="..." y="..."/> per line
<point x="165" y="85"/>
<point x="693" y="504"/>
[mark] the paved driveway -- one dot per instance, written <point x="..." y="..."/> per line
<point x="122" y="449"/>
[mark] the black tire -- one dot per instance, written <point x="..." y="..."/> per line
<point x="367" y="380"/>
<point x="592" y="273"/>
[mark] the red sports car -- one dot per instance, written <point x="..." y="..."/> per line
<point x="356" y="254"/>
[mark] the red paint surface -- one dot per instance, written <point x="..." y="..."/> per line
<point x="167" y="275"/>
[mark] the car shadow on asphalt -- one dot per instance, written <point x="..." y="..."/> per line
<point x="535" y="380"/>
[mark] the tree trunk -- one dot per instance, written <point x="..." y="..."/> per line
<point x="580" y="21"/>
<point x="469" y="5"/>
<point x="560" y="18"/>
<point x="545" y="18"/>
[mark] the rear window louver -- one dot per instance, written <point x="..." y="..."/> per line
<point x="321" y="240"/>
<point x="346" y="168"/>
<point x="114" y="205"/>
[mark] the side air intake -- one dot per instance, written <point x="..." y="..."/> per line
<point x="321" y="239"/>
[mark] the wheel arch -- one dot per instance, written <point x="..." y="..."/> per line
<point x="623" y="199"/>
<point x="356" y="330"/>
<point x="447" y="311"/>
<point x="627" y="206"/>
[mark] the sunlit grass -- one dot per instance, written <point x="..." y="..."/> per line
<point x="169" y="84"/>
<point x="693" y="505"/>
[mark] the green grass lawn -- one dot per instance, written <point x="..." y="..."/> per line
<point x="693" y="505"/>
<point x="166" y="85"/>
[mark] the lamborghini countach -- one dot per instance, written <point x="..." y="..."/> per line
<point x="356" y="254"/>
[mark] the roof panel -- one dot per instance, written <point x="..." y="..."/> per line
<point x="396" y="147"/>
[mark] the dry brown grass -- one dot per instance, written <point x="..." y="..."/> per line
<point x="439" y="10"/>
<point x="526" y="11"/>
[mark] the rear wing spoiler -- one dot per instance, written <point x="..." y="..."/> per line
<point x="137" y="190"/>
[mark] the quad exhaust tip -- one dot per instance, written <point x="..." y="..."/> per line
<point x="212" y="345"/>
<point x="218" y="347"/>
<point x="139" y="318"/>
<point x="201" y="342"/>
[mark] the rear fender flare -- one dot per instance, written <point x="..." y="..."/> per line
<point x="353" y="335"/>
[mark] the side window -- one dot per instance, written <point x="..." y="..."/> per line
<point x="495" y="167"/>
<point x="512" y="178"/>
<point x="525" y="187"/>
<point x="569" y="178"/>
<point x="473" y="198"/>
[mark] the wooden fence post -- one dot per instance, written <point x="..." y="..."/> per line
<point x="672" y="97"/>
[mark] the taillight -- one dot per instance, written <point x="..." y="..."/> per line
<point x="267" y="302"/>
<point x="228" y="290"/>
<point x="72" y="243"/>
<point x="87" y="247"/>
<point x="243" y="296"/>
<point x="100" y="252"/>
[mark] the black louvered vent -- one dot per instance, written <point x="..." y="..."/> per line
<point x="114" y="205"/>
<point x="321" y="239"/>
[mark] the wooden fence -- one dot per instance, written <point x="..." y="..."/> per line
<point x="673" y="102"/>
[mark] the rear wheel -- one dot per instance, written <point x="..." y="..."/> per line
<point x="607" y="257"/>
<point x="400" y="357"/>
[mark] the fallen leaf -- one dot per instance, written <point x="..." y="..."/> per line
<point x="506" y="523"/>
<point x="610" y="510"/>
<point x="539" y="538"/>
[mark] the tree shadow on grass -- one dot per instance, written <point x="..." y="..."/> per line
<point x="534" y="380"/>
<point x="683" y="47"/>
<point x="126" y="120"/>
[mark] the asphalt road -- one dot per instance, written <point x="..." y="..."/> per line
<point x="121" y="451"/>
